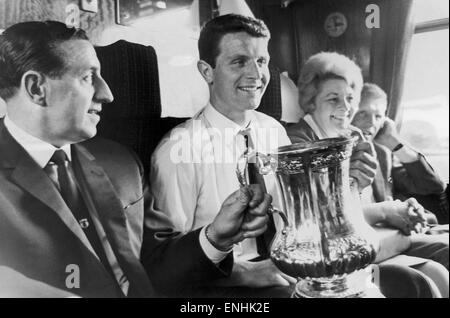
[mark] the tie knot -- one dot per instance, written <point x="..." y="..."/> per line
<point x="245" y="131"/>
<point x="59" y="157"/>
<point x="247" y="137"/>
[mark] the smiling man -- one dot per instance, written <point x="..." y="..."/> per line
<point x="73" y="208"/>
<point x="403" y="171"/>
<point x="234" y="63"/>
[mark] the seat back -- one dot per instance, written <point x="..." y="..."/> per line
<point x="132" y="119"/>
<point x="271" y="100"/>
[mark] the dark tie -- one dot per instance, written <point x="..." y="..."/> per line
<point x="254" y="177"/>
<point x="71" y="195"/>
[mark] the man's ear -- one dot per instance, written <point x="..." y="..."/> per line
<point x="34" y="85"/>
<point x="206" y="71"/>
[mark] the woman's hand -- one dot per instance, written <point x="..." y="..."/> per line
<point x="407" y="216"/>
<point x="363" y="164"/>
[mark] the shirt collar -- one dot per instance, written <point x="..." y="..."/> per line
<point x="39" y="150"/>
<point x="312" y="123"/>
<point x="221" y="122"/>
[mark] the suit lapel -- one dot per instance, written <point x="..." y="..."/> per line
<point x="383" y="160"/>
<point x="381" y="185"/>
<point x="379" y="192"/>
<point x="112" y="217"/>
<point x="33" y="179"/>
<point x="30" y="177"/>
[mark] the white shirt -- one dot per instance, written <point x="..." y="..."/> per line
<point x="193" y="170"/>
<point x="312" y="123"/>
<point x="41" y="152"/>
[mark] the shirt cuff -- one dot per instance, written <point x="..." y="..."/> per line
<point x="210" y="251"/>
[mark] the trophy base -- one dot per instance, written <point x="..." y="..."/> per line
<point x="355" y="285"/>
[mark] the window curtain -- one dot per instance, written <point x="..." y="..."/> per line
<point x="389" y="50"/>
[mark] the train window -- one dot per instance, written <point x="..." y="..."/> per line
<point x="428" y="10"/>
<point x="425" y="108"/>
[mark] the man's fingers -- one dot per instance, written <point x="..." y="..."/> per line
<point x="243" y="195"/>
<point x="358" y="174"/>
<point x="364" y="159"/>
<point x="251" y="195"/>
<point x="257" y="195"/>
<point x="363" y="167"/>
<point x="364" y="146"/>
<point x="363" y="179"/>
<point x="255" y="233"/>
<point x="238" y="237"/>
<point x="255" y="223"/>
<point x="262" y="207"/>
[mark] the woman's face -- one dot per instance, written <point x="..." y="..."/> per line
<point x="333" y="106"/>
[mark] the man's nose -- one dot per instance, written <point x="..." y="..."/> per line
<point x="346" y="105"/>
<point x="254" y="70"/>
<point x="103" y="94"/>
<point x="370" y="120"/>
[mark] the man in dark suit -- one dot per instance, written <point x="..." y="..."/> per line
<point x="73" y="208"/>
<point x="402" y="171"/>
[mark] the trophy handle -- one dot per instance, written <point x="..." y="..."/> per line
<point x="255" y="171"/>
<point x="283" y="216"/>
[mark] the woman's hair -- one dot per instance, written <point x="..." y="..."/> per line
<point x="372" y="92"/>
<point x="324" y="66"/>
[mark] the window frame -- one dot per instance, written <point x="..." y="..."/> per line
<point x="428" y="27"/>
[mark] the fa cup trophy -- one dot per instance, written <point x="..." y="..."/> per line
<point x="324" y="240"/>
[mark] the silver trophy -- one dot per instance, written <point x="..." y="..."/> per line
<point x="324" y="241"/>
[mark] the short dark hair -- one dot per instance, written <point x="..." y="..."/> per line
<point x="32" y="46"/>
<point x="214" y="30"/>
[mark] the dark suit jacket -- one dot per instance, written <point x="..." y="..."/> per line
<point x="39" y="237"/>
<point x="301" y="132"/>
<point x="405" y="179"/>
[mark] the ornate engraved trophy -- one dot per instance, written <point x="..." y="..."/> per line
<point x="324" y="241"/>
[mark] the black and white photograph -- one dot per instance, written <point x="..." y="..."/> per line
<point x="225" y="154"/>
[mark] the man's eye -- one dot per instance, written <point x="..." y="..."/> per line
<point x="89" y="77"/>
<point x="378" y="116"/>
<point x="349" y="99"/>
<point x="262" y="61"/>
